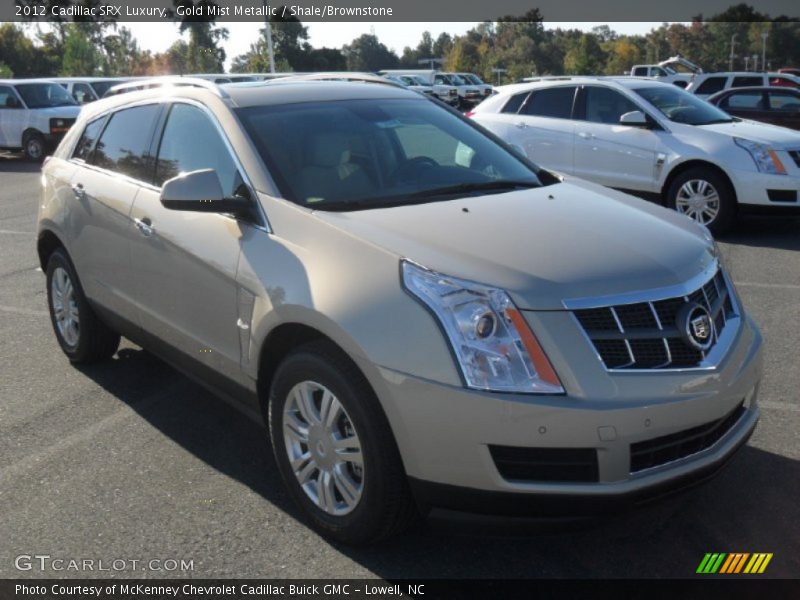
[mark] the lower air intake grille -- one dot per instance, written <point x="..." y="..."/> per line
<point x="546" y="464"/>
<point x="668" y="448"/>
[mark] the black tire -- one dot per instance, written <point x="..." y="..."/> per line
<point x="95" y="340"/>
<point x="385" y="507"/>
<point x="726" y="216"/>
<point x="34" y="146"/>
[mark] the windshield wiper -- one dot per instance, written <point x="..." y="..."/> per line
<point x="483" y="186"/>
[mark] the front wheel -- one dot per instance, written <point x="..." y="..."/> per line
<point x="334" y="448"/>
<point x="704" y="196"/>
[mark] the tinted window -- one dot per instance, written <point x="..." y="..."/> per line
<point x="604" y="105"/>
<point x="7" y="98"/>
<point x="125" y="142"/>
<point x="88" y="138"/>
<point x="783" y="81"/>
<point x="44" y="95"/>
<point x="190" y="142"/>
<point x="82" y="93"/>
<point x="711" y="85"/>
<point x="743" y="100"/>
<point x="552" y="102"/>
<point x="747" y="81"/>
<point x="784" y="101"/>
<point x="640" y="72"/>
<point x="355" y="154"/>
<point x="441" y="79"/>
<point x="513" y="104"/>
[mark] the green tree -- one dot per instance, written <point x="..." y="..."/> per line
<point x="585" y="57"/>
<point x="367" y="53"/>
<point x="81" y="56"/>
<point x="5" y="72"/>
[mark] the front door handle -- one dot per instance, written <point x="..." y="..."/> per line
<point x="521" y="125"/>
<point x="585" y="135"/>
<point x="78" y="190"/>
<point x="145" y="226"/>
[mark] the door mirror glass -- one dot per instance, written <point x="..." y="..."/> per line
<point x="634" y="118"/>
<point x="200" y="191"/>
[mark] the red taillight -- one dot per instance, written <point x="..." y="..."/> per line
<point x="469" y="113"/>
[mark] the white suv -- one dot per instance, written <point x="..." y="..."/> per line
<point x="34" y="115"/>
<point x="651" y="139"/>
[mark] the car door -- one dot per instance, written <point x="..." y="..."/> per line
<point x="544" y="129"/>
<point x="503" y="123"/>
<point x="747" y="104"/>
<point x="607" y="152"/>
<point x="186" y="262"/>
<point x="785" y="106"/>
<point x="113" y="160"/>
<point x="12" y="118"/>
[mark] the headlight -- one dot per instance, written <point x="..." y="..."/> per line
<point x="765" y="158"/>
<point x="494" y="347"/>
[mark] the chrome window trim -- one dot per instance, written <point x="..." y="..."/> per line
<point x="263" y="226"/>
<point x="711" y="360"/>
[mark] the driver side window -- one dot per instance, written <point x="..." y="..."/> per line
<point x="8" y="99"/>
<point x="604" y="105"/>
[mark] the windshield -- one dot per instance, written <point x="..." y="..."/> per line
<point x="456" y="80"/>
<point x="101" y="87"/>
<point x="474" y="79"/>
<point x="421" y="81"/>
<point x="357" y="154"/>
<point x="682" y="107"/>
<point x="44" y="95"/>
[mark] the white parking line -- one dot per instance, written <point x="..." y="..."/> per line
<point x="10" y="232"/>
<point x="23" y="311"/>
<point x="783" y="286"/>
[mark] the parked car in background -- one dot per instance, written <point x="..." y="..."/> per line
<point x="421" y="316"/>
<point x="34" y="115"/>
<point x="468" y="94"/>
<point x="88" y="89"/>
<point x="708" y="84"/>
<point x="775" y="105"/>
<point x="225" y="77"/>
<point x="412" y="83"/>
<point x="472" y="79"/>
<point x="442" y="88"/>
<point x="652" y="139"/>
<point x="667" y="71"/>
<point x="790" y="71"/>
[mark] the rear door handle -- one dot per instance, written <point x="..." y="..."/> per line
<point x="78" y="190"/>
<point x="586" y="135"/>
<point x="145" y="226"/>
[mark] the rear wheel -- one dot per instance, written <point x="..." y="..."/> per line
<point x="34" y="146"/>
<point x="82" y="336"/>
<point x="334" y="448"/>
<point x="704" y="196"/>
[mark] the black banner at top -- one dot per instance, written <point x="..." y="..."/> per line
<point x="381" y="10"/>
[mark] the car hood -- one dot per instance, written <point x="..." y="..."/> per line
<point x="778" y="137"/>
<point x="544" y="245"/>
<point x="64" y="112"/>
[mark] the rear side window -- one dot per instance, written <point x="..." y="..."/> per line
<point x="513" y="104"/>
<point x="640" y="72"/>
<point x="747" y="81"/>
<point x="784" y="101"/>
<point x="552" y="102"/>
<point x="125" y="143"/>
<point x="191" y="142"/>
<point x="604" y="105"/>
<point x="85" y="145"/>
<point x="711" y="85"/>
<point x="744" y="100"/>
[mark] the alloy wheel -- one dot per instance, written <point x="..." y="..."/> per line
<point x="698" y="200"/>
<point x="65" y="307"/>
<point x="323" y="448"/>
<point x="34" y="149"/>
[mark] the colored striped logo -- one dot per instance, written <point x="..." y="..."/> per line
<point x="733" y="563"/>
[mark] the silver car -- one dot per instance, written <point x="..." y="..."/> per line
<point x="422" y="317"/>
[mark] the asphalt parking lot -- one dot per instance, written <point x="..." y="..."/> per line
<point x="131" y="460"/>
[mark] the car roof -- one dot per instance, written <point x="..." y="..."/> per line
<point x="756" y="88"/>
<point x="19" y="81"/>
<point x="545" y="82"/>
<point x="255" y="93"/>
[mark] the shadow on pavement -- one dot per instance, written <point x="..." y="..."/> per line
<point x="781" y="233"/>
<point x="750" y="507"/>
<point x="15" y="163"/>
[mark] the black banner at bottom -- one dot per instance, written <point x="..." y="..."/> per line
<point x="732" y="588"/>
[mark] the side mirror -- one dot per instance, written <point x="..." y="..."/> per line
<point x="201" y="191"/>
<point x="635" y="118"/>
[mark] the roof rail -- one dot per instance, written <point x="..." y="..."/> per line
<point x="170" y="80"/>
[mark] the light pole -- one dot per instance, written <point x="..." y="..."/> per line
<point x="732" y="56"/>
<point x="746" y="63"/>
<point x="431" y="61"/>
<point x="270" y="50"/>
<point x="764" y="36"/>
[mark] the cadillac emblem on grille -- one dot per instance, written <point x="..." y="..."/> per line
<point x="695" y="322"/>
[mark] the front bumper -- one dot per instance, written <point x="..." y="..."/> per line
<point x="444" y="433"/>
<point x="767" y="191"/>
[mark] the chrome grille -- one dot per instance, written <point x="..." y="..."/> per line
<point x="645" y="335"/>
